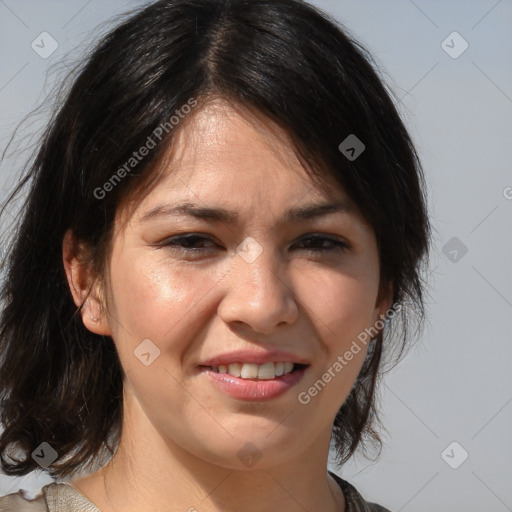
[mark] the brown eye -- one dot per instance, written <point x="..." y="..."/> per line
<point x="318" y="243"/>
<point x="188" y="242"/>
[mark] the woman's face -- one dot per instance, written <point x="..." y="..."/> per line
<point x="275" y="281"/>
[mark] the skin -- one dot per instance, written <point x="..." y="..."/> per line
<point x="181" y="435"/>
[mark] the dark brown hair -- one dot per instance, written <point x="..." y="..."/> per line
<point x="284" y="59"/>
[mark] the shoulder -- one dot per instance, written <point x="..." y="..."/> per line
<point x="19" y="502"/>
<point x="54" y="497"/>
<point x="354" y="502"/>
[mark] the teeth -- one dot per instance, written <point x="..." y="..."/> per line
<point x="234" y="369"/>
<point x="267" y="371"/>
<point x="255" y="371"/>
<point x="249" y="371"/>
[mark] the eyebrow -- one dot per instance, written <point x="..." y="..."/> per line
<point x="300" y="213"/>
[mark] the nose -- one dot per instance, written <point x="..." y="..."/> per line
<point x="259" y="294"/>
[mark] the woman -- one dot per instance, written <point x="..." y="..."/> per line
<point x="225" y="218"/>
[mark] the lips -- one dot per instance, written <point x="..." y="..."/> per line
<point x="254" y="357"/>
<point x="255" y="374"/>
<point x="254" y="371"/>
<point x="248" y="389"/>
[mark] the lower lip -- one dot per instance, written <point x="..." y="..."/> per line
<point x="253" y="389"/>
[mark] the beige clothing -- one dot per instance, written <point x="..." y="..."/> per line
<point x="58" y="497"/>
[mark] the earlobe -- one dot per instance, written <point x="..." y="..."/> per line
<point x="94" y="315"/>
<point x="83" y="286"/>
<point x="384" y="302"/>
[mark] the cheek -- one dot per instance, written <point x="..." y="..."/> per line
<point x="341" y="304"/>
<point x="153" y="299"/>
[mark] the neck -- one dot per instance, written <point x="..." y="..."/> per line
<point x="151" y="473"/>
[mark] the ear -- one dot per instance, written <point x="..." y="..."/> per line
<point x="384" y="301"/>
<point x="84" y="286"/>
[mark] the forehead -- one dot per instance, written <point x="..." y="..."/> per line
<point x="228" y="153"/>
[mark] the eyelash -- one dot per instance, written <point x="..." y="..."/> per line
<point x="178" y="242"/>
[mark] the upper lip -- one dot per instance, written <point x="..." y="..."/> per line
<point x="254" y="357"/>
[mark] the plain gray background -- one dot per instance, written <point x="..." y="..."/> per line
<point x="456" y="385"/>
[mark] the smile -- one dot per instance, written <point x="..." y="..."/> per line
<point x="256" y="371"/>
<point x="245" y="383"/>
